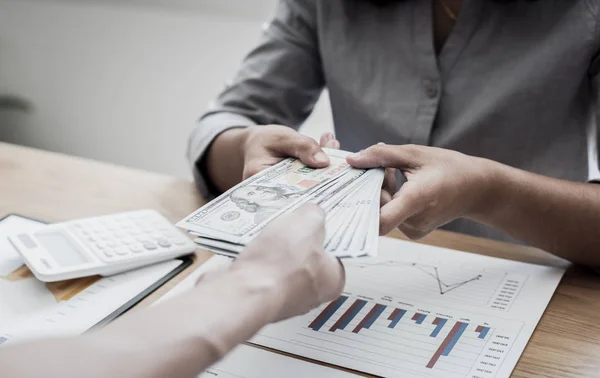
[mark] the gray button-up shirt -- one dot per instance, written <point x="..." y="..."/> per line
<point x="516" y="82"/>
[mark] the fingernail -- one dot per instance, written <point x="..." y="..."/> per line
<point x="320" y="157"/>
<point x="381" y="143"/>
<point x="356" y="154"/>
<point x="329" y="136"/>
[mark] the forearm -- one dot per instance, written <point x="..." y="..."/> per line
<point x="176" y="339"/>
<point x="225" y="159"/>
<point x="558" y="216"/>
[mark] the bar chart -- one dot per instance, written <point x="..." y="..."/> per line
<point x="433" y="325"/>
<point x="420" y="311"/>
<point x="394" y="338"/>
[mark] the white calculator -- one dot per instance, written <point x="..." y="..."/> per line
<point x="102" y="245"/>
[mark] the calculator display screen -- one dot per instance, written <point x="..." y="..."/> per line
<point x="62" y="248"/>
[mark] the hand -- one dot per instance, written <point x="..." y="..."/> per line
<point x="441" y="185"/>
<point x="265" y="146"/>
<point x="293" y="263"/>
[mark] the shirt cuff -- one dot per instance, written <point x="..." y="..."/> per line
<point x="204" y="134"/>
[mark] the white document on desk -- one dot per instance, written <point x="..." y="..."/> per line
<point x="33" y="309"/>
<point x="422" y="311"/>
<point x="250" y="362"/>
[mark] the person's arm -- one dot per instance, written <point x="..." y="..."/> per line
<point x="186" y="334"/>
<point x="278" y="83"/>
<point x="558" y="216"/>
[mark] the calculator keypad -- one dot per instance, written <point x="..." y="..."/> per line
<point x="127" y="236"/>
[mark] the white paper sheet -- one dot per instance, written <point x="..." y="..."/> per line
<point x="421" y="311"/>
<point x="32" y="309"/>
<point x="250" y="362"/>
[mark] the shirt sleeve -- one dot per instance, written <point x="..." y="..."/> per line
<point x="279" y="82"/>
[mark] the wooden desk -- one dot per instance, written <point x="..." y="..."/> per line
<point x="55" y="187"/>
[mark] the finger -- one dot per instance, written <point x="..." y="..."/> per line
<point x="384" y="198"/>
<point x="336" y="280"/>
<point x="326" y="138"/>
<point x="401" y="157"/>
<point x="404" y="205"/>
<point x="310" y="220"/>
<point x="333" y="144"/>
<point x="389" y="181"/>
<point x="304" y="148"/>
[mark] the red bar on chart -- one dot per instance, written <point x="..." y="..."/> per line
<point x="348" y="315"/>
<point x="436" y="321"/>
<point x="370" y="318"/>
<point x="444" y="344"/>
<point x="393" y="314"/>
<point x="479" y="329"/>
<point x="416" y="316"/>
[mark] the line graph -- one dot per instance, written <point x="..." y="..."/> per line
<point x="429" y="270"/>
<point x="471" y="285"/>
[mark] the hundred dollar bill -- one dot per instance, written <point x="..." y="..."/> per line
<point x="247" y="207"/>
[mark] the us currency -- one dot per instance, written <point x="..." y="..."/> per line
<point x="349" y="196"/>
<point x="247" y="207"/>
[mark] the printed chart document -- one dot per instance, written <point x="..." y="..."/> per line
<point x="422" y="311"/>
<point x="33" y="309"/>
<point x="250" y="362"/>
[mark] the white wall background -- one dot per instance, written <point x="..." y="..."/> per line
<point x="123" y="80"/>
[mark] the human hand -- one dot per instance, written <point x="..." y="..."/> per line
<point x="265" y="146"/>
<point x="441" y="185"/>
<point x="291" y="262"/>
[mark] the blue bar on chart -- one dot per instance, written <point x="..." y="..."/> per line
<point x="395" y="317"/>
<point x="327" y="313"/>
<point x="370" y="318"/>
<point x="455" y="338"/>
<point x="439" y="323"/>
<point x="483" y="331"/>
<point x="449" y="341"/>
<point x="419" y="318"/>
<point x="348" y="315"/>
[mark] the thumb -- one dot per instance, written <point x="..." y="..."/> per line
<point x="386" y="156"/>
<point x="310" y="220"/>
<point x="304" y="148"/>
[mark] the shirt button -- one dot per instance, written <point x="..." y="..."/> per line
<point x="432" y="91"/>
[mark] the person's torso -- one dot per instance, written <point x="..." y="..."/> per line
<point x="510" y="84"/>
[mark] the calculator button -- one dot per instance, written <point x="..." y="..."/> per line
<point x="142" y="239"/>
<point x="101" y="244"/>
<point x="179" y="241"/>
<point x="121" y="251"/>
<point x="111" y="243"/>
<point x="169" y="234"/>
<point x="92" y="238"/>
<point x="156" y="236"/>
<point x="127" y="240"/>
<point x="164" y="243"/>
<point x="119" y="234"/>
<point x="108" y="252"/>
<point x="136" y="248"/>
<point x="149" y="246"/>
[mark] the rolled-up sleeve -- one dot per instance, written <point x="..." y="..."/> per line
<point x="279" y="82"/>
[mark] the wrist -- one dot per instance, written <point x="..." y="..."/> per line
<point x="487" y="188"/>
<point x="494" y="193"/>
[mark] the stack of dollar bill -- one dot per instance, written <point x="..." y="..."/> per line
<point x="349" y="196"/>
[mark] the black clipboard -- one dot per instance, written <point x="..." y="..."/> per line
<point x="186" y="261"/>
